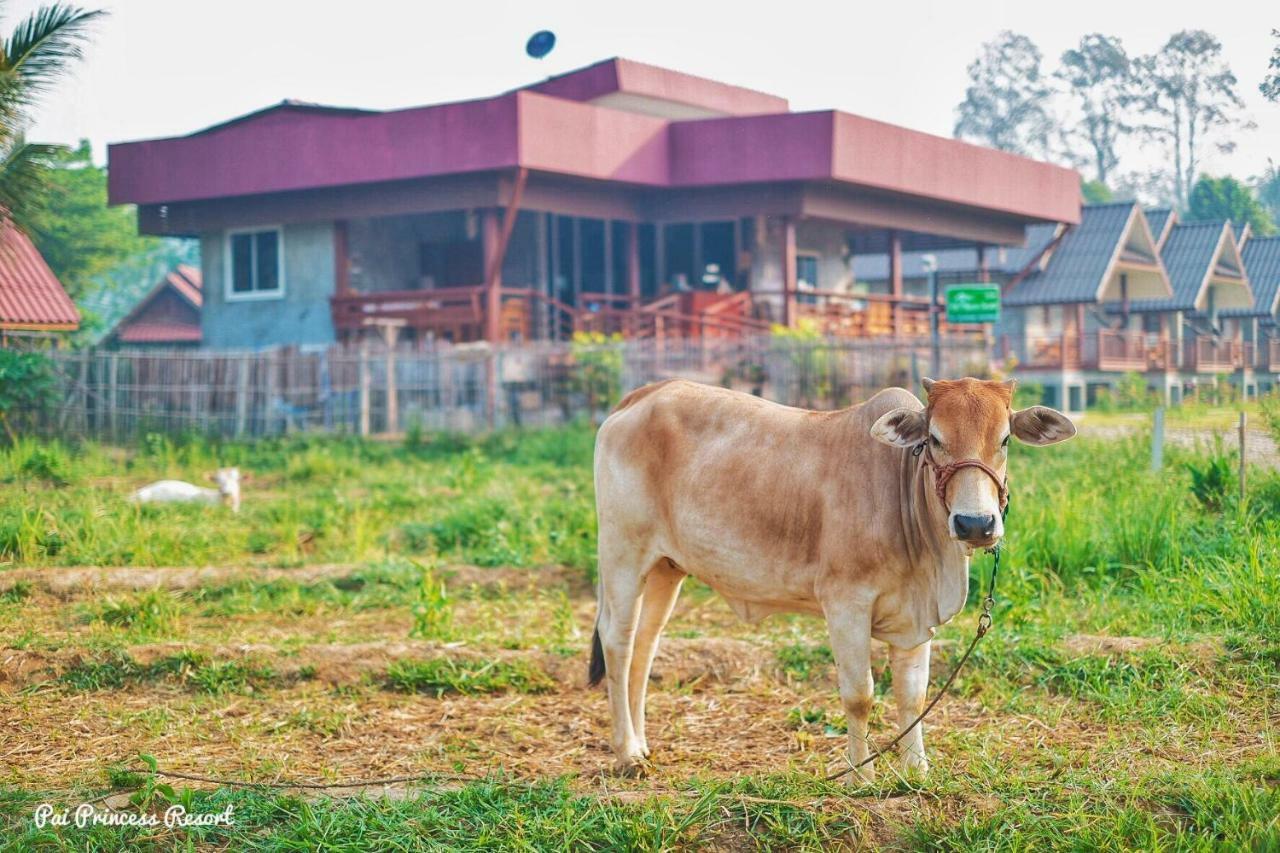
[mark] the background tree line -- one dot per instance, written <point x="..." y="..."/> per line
<point x="1101" y="106"/>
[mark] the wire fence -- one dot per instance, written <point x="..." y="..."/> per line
<point x="373" y="389"/>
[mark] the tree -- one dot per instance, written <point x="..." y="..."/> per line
<point x="79" y="235"/>
<point x="1006" y="103"/>
<point x="1227" y="198"/>
<point x="1268" y="186"/>
<point x="93" y="249"/>
<point x="1096" y="192"/>
<point x="1190" y="94"/>
<point x="34" y="57"/>
<point x="1098" y="76"/>
<point x="1270" y="85"/>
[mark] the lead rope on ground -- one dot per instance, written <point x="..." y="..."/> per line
<point x="984" y="625"/>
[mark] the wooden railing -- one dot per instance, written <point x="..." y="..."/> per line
<point x="1205" y="355"/>
<point x="451" y="313"/>
<point x="1106" y="350"/>
<point x="458" y="314"/>
<point x="1121" y="351"/>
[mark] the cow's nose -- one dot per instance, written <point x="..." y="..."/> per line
<point x="972" y="528"/>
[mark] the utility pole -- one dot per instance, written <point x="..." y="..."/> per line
<point x="930" y="263"/>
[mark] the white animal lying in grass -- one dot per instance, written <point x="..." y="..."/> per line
<point x="176" y="491"/>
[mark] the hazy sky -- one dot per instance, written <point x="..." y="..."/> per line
<point x="168" y="67"/>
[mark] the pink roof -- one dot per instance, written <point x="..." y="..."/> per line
<point x="31" y="297"/>
<point x="635" y="79"/>
<point x="554" y="128"/>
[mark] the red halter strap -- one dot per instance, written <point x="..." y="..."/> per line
<point x="942" y="475"/>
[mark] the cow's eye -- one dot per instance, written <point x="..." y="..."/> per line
<point x="933" y="440"/>
<point x="1005" y="443"/>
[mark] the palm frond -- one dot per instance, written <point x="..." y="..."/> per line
<point x="39" y="50"/>
<point x="24" y="180"/>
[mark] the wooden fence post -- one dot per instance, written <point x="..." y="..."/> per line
<point x="1243" y="421"/>
<point x="364" y="386"/>
<point x="84" y="392"/>
<point x="491" y="388"/>
<point x="269" y="395"/>
<point x="393" y="401"/>
<point x="242" y="395"/>
<point x="1157" y="440"/>
<point x="113" y="383"/>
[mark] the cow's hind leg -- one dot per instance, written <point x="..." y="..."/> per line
<point x="910" y="688"/>
<point x="661" y="588"/>
<point x="621" y="585"/>
<point x="849" y="625"/>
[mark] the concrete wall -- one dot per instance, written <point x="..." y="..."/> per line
<point x="826" y="240"/>
<point x="384" y="250"/>
<point x="300" y="317"/>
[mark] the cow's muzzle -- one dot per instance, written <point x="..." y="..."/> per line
<point x="978" y="531"/>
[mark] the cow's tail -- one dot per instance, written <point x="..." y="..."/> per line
<point x="595" y="669"/>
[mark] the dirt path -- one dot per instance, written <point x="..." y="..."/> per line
<point x="70" y="582"/>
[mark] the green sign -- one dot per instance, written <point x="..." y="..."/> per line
<point x="973" y="303"/>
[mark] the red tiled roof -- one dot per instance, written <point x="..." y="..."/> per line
<point x="158" y="333"/>
<point x="31" y="297"/>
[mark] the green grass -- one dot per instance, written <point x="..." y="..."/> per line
<point x="467" y="677"/>
<point x="118" y="670"/>
<point x="500" y="500"/>
<point x="1065" y="749"/>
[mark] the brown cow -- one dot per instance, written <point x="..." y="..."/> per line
<point x="837" y="514"/>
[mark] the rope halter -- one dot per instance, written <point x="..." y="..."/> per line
<point x="942" y="475"/>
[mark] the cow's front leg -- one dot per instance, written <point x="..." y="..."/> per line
<point x="849" y="625"/>
<point x="910" y="685"/>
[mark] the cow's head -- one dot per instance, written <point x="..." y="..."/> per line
<point x="228" y="480"/>
<point x="971" y="419"/>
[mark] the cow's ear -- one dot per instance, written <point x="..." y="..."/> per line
<point x="1041" y="425"/>
<point x="900" y="427"/>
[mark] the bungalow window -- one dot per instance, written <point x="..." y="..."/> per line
<point x="254" y="263"/>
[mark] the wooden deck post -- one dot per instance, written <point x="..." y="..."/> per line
<point x="492" y="274"/>
<point x="633" y="273"/>
<point x="494" y="242"/>
<point x="341" y="261"/>
<point x="895" y="280"/>
<point x="788" y="271"/>
<point x="609" y="283"/>
<point x="660" y="256"/>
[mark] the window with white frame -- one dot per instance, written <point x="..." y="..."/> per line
<point x="255" y="264"/>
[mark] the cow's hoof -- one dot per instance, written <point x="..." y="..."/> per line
<point x="864" y="775"/>
<point x="913" y="764"/>
<point x="632" y="768"/>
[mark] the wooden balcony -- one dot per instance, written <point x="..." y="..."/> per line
<point x="451" y="313"/>
<point x="457" y="314"/>
<point x="1205" y="355"/>
<point x="1121" y="352"/>
<point x="1109" y="351"/>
